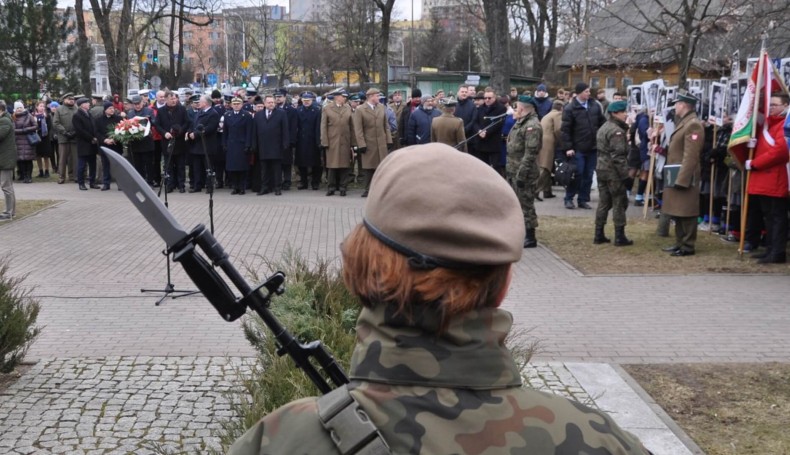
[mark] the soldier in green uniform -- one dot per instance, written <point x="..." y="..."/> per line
<point x="523" y="145"/>
<point x="612" y="171"/>
<point x="430" y="372"/>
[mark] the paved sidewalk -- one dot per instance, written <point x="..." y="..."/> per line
<point x="103" y="340"/>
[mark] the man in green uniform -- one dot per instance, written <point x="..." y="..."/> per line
<point x="681" y="200"/>
<point x="612" y="170"/>
<point x="430" y="373"/>
<point x="523" y="145"/>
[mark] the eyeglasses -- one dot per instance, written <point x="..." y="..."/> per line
<point x="488" y="97"/>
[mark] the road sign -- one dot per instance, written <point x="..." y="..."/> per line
<point x="245" y="64"/>
<point x="143" y="58"/>
<point x="473" y="77"/>
<point x="245" y="73"/>
<point x="211" y="78"/>
<point x="156" y="81"/>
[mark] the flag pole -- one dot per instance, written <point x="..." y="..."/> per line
<point x="745" y="206"/>
<point x="729" y="202"/>
<point x="712" y="182"/>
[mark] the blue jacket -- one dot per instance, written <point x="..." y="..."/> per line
<point x="642" y="124"/>
<point x="419" y="129"/>
<point x="544" y="106"/>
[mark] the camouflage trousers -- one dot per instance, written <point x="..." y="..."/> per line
<point x="525" y="184"/>
<point x="613" y="196"/>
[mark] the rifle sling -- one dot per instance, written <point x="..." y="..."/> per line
<point x="348" y="425"/>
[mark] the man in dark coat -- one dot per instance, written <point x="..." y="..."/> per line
<point x="202" y="140"/>
<point x="489" y="119"/>
<point x="102" y="125"/>
<point x="237" y="143"/>
<point x="86" y="143"/>
<point x="142" y="151"/>
<point x="218" y="159"/>
<point x="308" y="142"/>
<point x="403" y="121"/>
<point x="271" y="141"/>
<point x="465" y="109"/>
<point x="172" y="123"/>
<point x="581" y="119"/>
<point x="293" y="125"/>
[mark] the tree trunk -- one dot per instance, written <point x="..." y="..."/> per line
<point x="498" y="33"/>
<point x="83" y="51"/>
<point x="384" y="49"/>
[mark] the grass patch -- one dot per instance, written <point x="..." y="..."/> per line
<point x="571" y="239"/>
<point x="728" y="409"/>
<point x="25" y="208"/>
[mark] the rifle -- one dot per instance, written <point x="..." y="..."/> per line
<point x="499" y="118"/>
<point x="202" y="270"/>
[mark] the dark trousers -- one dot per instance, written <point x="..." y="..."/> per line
<point x="90" y="160"/>
<point x="198" y="171"/>
<point x="218" y="164"/>
<point x="143" y="164"/>
<point x="271" y="175"/>
<point x="338" y="178"/>
<point x="106" y="177"/>
<point x="315" y="175"/>
<point x="585" y="167"/>
<point x="238" y="180"/>
<point x="287" y="167"/>
<point x="769" y="213"/>
<point x="175" y="168"/>
<point x="368" y="177"/>
<point x="156" y="162"/>
<point x="685" y="232"/>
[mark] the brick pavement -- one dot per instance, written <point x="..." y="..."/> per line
<point x="89" y="256"/>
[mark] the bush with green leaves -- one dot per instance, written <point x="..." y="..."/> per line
<point x="18" y="314"/>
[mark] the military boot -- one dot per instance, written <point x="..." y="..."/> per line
<point x="599" y="235"/>
<point x="530" y="241"/>
<point x="619" y="237"/>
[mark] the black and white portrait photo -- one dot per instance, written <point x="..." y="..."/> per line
<point x="716" y="103"/>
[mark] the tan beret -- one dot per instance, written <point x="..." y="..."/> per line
<point x="445" y="208"/>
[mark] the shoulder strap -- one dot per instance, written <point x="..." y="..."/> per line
<point x="348" y="425"/>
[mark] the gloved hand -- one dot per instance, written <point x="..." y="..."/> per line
<point x="752" y="143"/>
<point x="389" y="147"/>
<point x="748" y="164"/>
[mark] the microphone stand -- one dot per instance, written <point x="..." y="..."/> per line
<point x="210" y="177"/>
<point x="499" y="119"/>
<point x="170" y="289"/>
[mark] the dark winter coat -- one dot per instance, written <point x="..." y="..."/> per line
<point x="24" y="124"/>
<point x="465" y="110"/>
<point x="204" y="127"/>
<point x="237" y="139"/>
<point x="173" y="120"/>
<point x="270" y="136"/>
<point x="418" y="131"/>
<point x="7" y="142"/>
<point x="308" y="138"/>
<point x="544" y="106"/>
<point x="492" y="143"/>
<point x="580" y="126"/>
<point x="86" y="133"/>
<point x="102" y="126"/>
<point x="145" y="144"/>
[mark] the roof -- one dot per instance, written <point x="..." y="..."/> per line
<point x="620" y="36"/>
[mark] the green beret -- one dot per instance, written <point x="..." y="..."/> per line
<point x="415" y="209"/>
<point x="527" y="100"/>
<point x="686" y="98"/>
<point x="617" y="106"/>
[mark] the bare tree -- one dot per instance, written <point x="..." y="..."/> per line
<point x="538" y="22"/>
<point x="498" y="34"/>
<point x="357" y="36"/>
<point x="385" y="7"/>
<point x="285" y="43"/>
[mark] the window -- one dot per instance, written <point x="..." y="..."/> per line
<point x="187" y="48"/>
<point x="595" y="82"/>
<point x="187" y="35"/>
<point x="628" y="81"/>
<point x="610" y="82"/>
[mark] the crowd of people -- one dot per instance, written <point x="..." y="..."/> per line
<point x="251" y="142"/>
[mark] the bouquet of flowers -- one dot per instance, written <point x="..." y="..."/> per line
<point x="130" y="130"/>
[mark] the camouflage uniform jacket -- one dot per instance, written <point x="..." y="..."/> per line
<point x="455" y="393"/>
<point x="612" y="143"/>
<point x="524" y="143"/>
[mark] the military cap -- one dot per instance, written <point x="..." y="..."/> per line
<point x="449" y="102"/>
<point x="97" y="97"/>
<point x="144" y="93"/>
<point x="79" y="95"/>
<point x="308" y="95"/>
<point x="229" y="97"/>
<point x="342" y="92"/>
<point x="66" y="95"/>
<point x="686" y="98"/>
<point x="135" y="99"/>
<point x="447" y="227"/>
<point x="527" y="100"/>
<point x="251" y="92"/>
<point x="353" y="97"/>
<point x="280" y="92"/>
<point x="82" y="100"/>
<point x="479" y="96"/>
<point x="617" y="106"/>
<point x="194" y="98"/>
<point x="236" y="99"/>
<point x="372" y="91"/>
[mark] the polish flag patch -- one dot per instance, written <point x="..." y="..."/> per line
<point x="694" y="136"/>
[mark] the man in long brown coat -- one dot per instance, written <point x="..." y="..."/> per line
<point x="552" y="136"/>
<point x="681" y="201"/>
<point x="336" y="139"/>
<point x="372" y="132"/>
<point x="397" y="105"/>
<point x="447" y="128"/>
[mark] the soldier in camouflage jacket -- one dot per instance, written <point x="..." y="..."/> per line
<point x="612" y="170"/>
<point x="523" y="146"/>
<point x="430" y="368"/>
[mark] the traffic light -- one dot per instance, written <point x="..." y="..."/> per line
<point x="244" y="82"/>
<point x="156" y="56"/>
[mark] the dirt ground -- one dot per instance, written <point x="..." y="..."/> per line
<point x="571" y="239"/>
<point x="7" y="379"/>
<point x="728" y="409"/>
